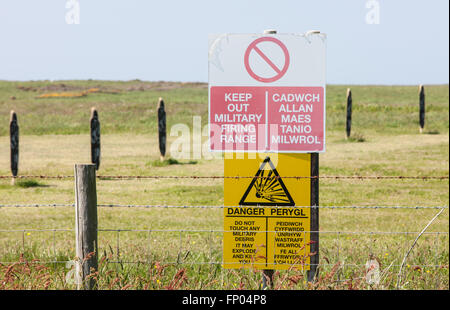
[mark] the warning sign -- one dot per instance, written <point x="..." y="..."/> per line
<point x="267" y="225"/>
<point x="267" y="93"/>
<point x="267" y="188"/>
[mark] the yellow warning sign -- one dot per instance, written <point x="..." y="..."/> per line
<point x="267" y="222"/>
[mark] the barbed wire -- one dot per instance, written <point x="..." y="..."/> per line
<point x="35" y="205"/>
<point x="37" y="230"/>
<point x="151" y="262"/>
<point x="217" y="207"/>
<point x="340" y="232"/>
<point x="126" y="177"/>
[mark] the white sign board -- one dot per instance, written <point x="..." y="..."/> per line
<point x="267" y="92"/>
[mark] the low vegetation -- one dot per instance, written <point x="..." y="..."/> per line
<point x="167" y="248"/>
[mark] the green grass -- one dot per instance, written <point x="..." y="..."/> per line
<point x="54" y="136"/>
<point x="29" y="183"/>
<point x="132" y="109"/>
<point x="377" y="110"/>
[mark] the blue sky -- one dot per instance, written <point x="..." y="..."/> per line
<point x="168" y="40"/>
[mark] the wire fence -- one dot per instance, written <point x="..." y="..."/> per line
<point x="214" y="207"/>
<point x="127" y="177"/>
<point x="119" y="251"/>
<point x="336" y="246"/>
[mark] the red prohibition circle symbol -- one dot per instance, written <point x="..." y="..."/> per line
<point x="278" y="72"/>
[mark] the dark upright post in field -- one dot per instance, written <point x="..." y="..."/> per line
<point x="421" y="107"/>
<point x="348" y="127"/>
<point x="14" y="143"/>
<point x="86" y="225"/>
<point x="162" y="128"/>
<point x="95" y="138"/>
<point x="314" y="237"/>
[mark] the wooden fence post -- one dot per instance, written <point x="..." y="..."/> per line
<point x="95" y="138"/>
<point x="162" y="128"/>
<point x="421" y="107"/>
<point x="14" y="144"/>
<point x="314" y="236"/>
<point x="86" y="225"/>
<point x="348" y="126"/>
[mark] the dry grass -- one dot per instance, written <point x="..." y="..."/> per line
<point x="181" y="258"/>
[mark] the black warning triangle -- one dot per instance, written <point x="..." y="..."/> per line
<point x="267" y="189"/>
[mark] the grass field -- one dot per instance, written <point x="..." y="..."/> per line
<point x="54" y="136"/>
